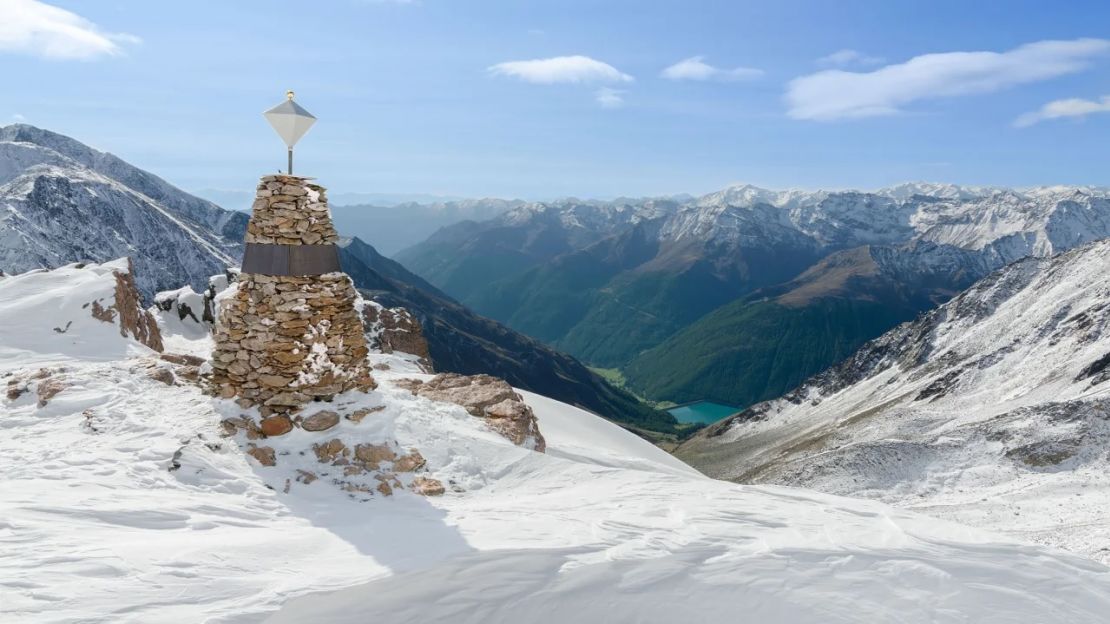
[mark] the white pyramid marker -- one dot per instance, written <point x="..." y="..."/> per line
<point x="291" y="122"/>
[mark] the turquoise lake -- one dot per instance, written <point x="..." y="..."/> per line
<point x="703" y="412"/>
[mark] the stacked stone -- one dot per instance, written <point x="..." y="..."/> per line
<point x="284" y="340"/>
<point x="290" y="210"/>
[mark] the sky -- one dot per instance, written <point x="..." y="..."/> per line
<point x="543" y="99"/>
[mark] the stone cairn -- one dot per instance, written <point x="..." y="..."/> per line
<point x="291" y="333"/>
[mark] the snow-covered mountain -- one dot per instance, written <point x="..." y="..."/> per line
<point x="62" y="201"/>
<point x="124" y="499"/>
<point x="992" y="410"/>
<point x="1035" y="221"/>
<point x="637" y="296"/>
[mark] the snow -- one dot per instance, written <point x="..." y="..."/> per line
<point x="48" y="314"/>
<point x="120" y="502"/>
<point x="61" y="202"/>
<point x="980" y="412"/>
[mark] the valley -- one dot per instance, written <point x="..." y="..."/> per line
<point x="740" y="295"/>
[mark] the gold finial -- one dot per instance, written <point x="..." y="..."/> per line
<point x="289" y="94"/>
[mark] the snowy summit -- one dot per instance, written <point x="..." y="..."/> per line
<point x="127" y="501"/>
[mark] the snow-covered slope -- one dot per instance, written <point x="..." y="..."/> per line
<point x="993" y="410"/>
<point x="63" y="202"/>
<point x="72" y="311"/>
<point x="121" y="502"/>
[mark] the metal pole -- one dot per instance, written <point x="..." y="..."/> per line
<point x="290" y="161"/>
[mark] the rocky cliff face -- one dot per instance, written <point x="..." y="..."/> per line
<point x="64" y="202"/>
<point x="391" y="330"/>
<point x="990" y="410"/>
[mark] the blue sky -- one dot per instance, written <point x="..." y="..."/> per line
<point x="573" y="97"/>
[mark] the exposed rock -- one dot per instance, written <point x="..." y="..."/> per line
<point x="396" y="329"/>
<point x="409" y="463"/>
<point x="287" y="399"/>
<point x="306" y="477"/>
<point x="189" y="373"/>
<point x="276" y="426"/>
<point x="374" y="454"/>
<point x="182" y="359"/>
<point x="330" y="451"/>
<point x="488" y="398"/>
<point x="101" y="313"/>
<point x="164" y="375"/>
<point x="17" y="388"/>
<point x="134" y="320"/>
<point x="49" y="388"/>
<point x="231" y="426"/>
<point x="426" y="486"/>
<point x="320" y="421"/>
<point x="263" y="454"/>
<point x="357" y="415"/>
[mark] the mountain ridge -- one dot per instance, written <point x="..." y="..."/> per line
<point x="992" y="410"/>
<point x="724" y="248"/>
<point x="66" y="202"/>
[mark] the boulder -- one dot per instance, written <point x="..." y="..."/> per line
<point x="263" y="454"/>
<point x="488" y="398"/>
<point x="374" y="454"/>
<point x="320" y="421"/>
<point x="409" y="463"/>
<point x="330" y="451"/>
<point x="276" y="426"/>
<point x="426" y="486"/>
<point x="357" y="415"/>
<point x="50" y="388"/>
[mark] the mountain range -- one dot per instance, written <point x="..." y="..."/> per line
<point x="739" y="295"/>
<point x="63" y="202"/>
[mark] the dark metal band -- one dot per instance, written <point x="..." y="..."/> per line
<point x="271" y="259"/>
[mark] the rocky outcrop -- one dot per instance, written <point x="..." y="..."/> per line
<point x="134" y="320"/>
<point x="283" y="340"/>
<point x="489" y="398"/>
<point x="395" y="329"/>
<point x="192" y="308"/>
<point x="125" y="310"/>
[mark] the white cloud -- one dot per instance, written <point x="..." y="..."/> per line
<point x="843" y="58"/>
<point x="1059" y="109"/>
<point x="837" y="94"/>
<point x="572" y="69"/>
<point x="33" y="27"/>
<point x="695" y="68"/>
<point x="18" y="118"/>
<point x="609" y="98"/>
